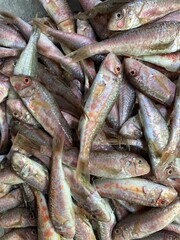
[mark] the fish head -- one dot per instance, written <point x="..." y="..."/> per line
<point x="139" y="165"/>
<point x="31" y="234"/>
<point x="132" y="68"/>
<point x="120" y="233"/>
<point x="19" y="163"/>
<point x="14" y="107"/>
<point x="130" y="130"/>
<point x="124" y="18"/>
<point x="112" y="66"/>
<point x="23" y="85"/>
<point x="27" y="217"/>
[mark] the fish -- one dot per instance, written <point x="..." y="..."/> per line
<point x="9" y="52"/>
<point x="86" y="196"/>
<point x="120" y="211"/>
<point x="33" y="173"/>
<point x="63" y="219"/>
<point x="154" y="219"/>
<point x="4" y="189"/>
<point x="126" y="100"/>
<point x="102" y="95"/>
<point x="4" y="128"/>
<point x="173" y="227"/>
<point x="16" y="108"/>
<point x="10" y="37"/>
<point x="162" y="235"/>
<point x="150" y="81"/>
<point x="155" y="130"/>
<point x="4" y="87"/>
<point x="11" y="200"/>
<point x="46" y="230"/>
<point x="8" y="176"/>
<point x="131" y="207"/>
<point x="174" y="16"/>
<point x="138" y="13"/>
<point x="169" y="61"/>
<point x="156" y="38"/>
<point x="85" y="28"/>
<point x="17" y="218"/>
<point x="136" y="190"/>
<point x="21" y="234"/>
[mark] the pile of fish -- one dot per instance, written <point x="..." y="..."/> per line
<point x="90" y="122"/>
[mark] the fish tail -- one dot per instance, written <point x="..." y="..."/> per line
<point x="43" y="28"/>
<point x="10" y="18"/>
<point x="83" y="168"/>
<point x="58" y="144"/>
<point x="80" y="54"/>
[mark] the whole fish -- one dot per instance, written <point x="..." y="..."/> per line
<point x="46" y="230"/>
<point x="45" y="46"/>
<point x="17" y="218"/>
<point x="136" y="190"/>
<point x="10" y="37"/>
<point x="169" y="61"/>
<point x="102" y="95"/>
<point x="63" y="218"/>
<point x="137" y="13"/>
<point x="86" y="196"/>
<point x="21" y="234"/>
<point x="150" y="81"/>
<point x="16" y="108"/>
<point x="30" y="171"/>
<point x="170" y="152"/>
<point x="126" y="101"/>
<point x="154" y="219"/>
<point x="155" y="130"/>
<point x="156" y="38"/>
<point x="110" y="164"/>
<point x="11" y="200"/>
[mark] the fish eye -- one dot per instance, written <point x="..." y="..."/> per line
<point x="27" y="81"/>
<point x="169" y="171"/>
<point x="93" y="216"/>
<point x="117" y="231"/>
<point x="33" y="232"/>
<point x="140" y="161"/>
<point x="163" y="202"/>
<point x="137" y="133"/>
<point x="15" y="114"/>
<point x="133" y="72"/>
<point x="31" y="216"/>
<point x="119" y="15"/>
<point x="117" y="69"/>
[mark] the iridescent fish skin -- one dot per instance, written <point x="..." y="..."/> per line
<point x="17" y="218"/>
<point x="162" y="235"/>
<point x="174" y="16"/>
<point x="170" y="152"/>
<point x="86" y="196"/>
<point x="46" y="230"/>
<point x="63" y="218"/>
<point x="42" y="105"/>
<point x="138" y="190"/>
<point x="16" y="108"/>
<point x="10" y="37"/>
<point x="11" y="200"/>
<point x="154" y="219"/>
<point x="150" y="81"/>
<point x="169" y="61"/>
<point x="21" y="234"/>
<point x="102" y="95"/>
<point x="156" y="38"/>
<point x="30" y="171"/>
<point x="126" y="101"/>
<point x="137" y="13"/>
<point x="155" y="130"/>
<point x="60" y="12"/>
<point x="27" y="62"/>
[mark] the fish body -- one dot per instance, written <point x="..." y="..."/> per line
<point x="102" y="95"/>
<point x="138" y="13"/>
<point x="9" y="52"/>
<point x="21" y="234"/>
<point x="136" y="190"/>
<point x="154" y="219"/>
<point x="30" y="171"/>
<point x="63" y="218"/>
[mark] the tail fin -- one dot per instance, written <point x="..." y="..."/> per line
<point x="58" y="145"/>
<point x="10" y="18"/>
<point x="41" y="26"/>
<point x="80" y="54"/>
<point x="83" y="168"/>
